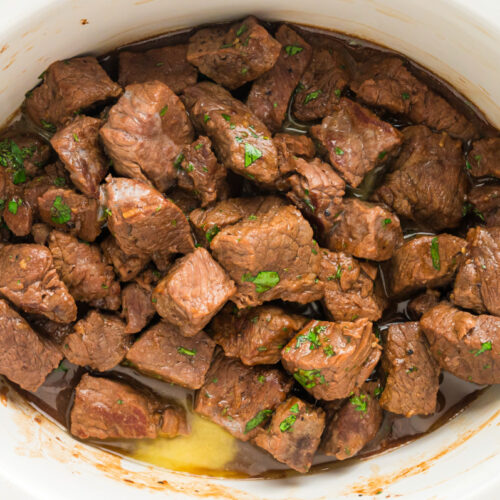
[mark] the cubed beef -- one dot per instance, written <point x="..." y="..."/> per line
<point x="192" y="292"/>
<point x="354" y="425"/>
<point x="164" y="352"/>
<point x="145" y="132"/>
<point x="486" y="201"/>
<point x="165" y="64"/>
<point x="349" y="288"/>
<point x="242" y="142"/>
<point x="127" y="267"/>
<point x="477" y="285"/>
<point x="137" y="307"/>
<point x="355" y="140"/>
<point x="235" y="56"/>
<point x="187" y="202"/>
<point x="466" y="345"/>
<point x="412" y="374"/>
<point x="427" y="182"/>
<point x="270" y="256"/>
<point x="423" y="303"/>
<point x="18" y="215"/>
<point x="425" y="261"/>
<point x="78" y="147"/>
<point x="25" y="358"/>
<point x="365" y="230"/>
<point x="174" y="422"/>
<point x="40" y="232"/>
<point x="30" y="281"/>
<point x="257" y="335"/>
<point x="51" y="329"/>
<point x="240" y="398"/>
<point x="385" y="82"/>
<point x="294" y="433"/>
<point x="69" y="87"/>
<point x="331" y="360"/>
<point x="289" y="146"/>
<point x="271" y="92"/>
<point x="142" y="220"/>
<point x="484" y="158"/>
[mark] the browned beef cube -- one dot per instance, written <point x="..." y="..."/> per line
<point x="240" y="398"/>
<point x="355" y="140"/>
<point x="127" y="267"/>
<point x="331" y="360"/>
<point x="187" y="202"/>
<point x="294" y="433"/>
<point x="365" y="230"/>
<point x="425" y="261"/>
<point x="412" y="374"/>
<point x="164" y="352"/>
<point x="235" y="56"/>
<point x="40" y="232"/>
<point x="18" y="215"/>
<point x="427" y="183"/>
<point x="270" y="256"/>
<point x="145" y="131"/>
<point x="84" y="270"/>
<point x="50" y="329"/>
<point x="25" y="358"/>
<point x="484" y="158"/>
<point x="165" y="64"/>
<point x="354" y="425"/>
<point x="289" y="146"/>
<point x="423" y="303"/>
<point x="29" y="280"/>
<point x="467" y="346"/>
<point x="385" y="82"/>
<point x="142" y="220"/>
<point x="69" y="87"/>
<point x="349" y="288"/>
<point x="477" y="285"/>
<point x="486" y="201"/>
<point x="257" y="335"/>
<point x="78" y="147"/>
<point x="192" y="292"/>
<point x="174" y="422"/>
<point x="241" y="141"/>
<point x="271" y="92"/>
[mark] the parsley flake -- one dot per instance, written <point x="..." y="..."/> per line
<point x="264" y="281"/>
<point x="261" y="417"/>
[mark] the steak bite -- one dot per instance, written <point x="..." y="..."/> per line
<point x="466" y="345"/>
<point x="331" y="360"/>
<point x="294" y="433"/>
<point x="486" y="201"/>
<point x="427" y="183"/>
<point x="127" y="267"/>
<point x="69" y="87"/>
<point x="192" y="292"/>
<point x="385" y="82"/>
<point x="355" y="140"/>
<point x="174" y="422"/>
<point x="77" y="145"/>
<point x="165" y="64"/>
<point x="145" y="131"/>
<point x="25" y="358"/>
<point x="241" y="141"/>
<point x="164" y="352"/>
<point x="271" y="92"/>
<point x="423" y="303"/>
<point x="235" y="56"/>
<point x="30" y="281"/>
<point x="18" y="215"/>
<point x="425" y="261"/>
<point x="484" y="158"/>
<point x="289" y="146"/>
<point x="240" y="398"/>
<point x="412" y="374"/>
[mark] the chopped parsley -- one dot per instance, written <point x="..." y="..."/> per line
<point x="412" y="369"/>
<point x="252" y="217"/>
<point x="12" y="156"/>
<point x="210" y="234"/>
<point x="226" y="117"/>
<point x="178" y="161"/>
<point x="328" y="350"/>
<point x="47" y="125"/>
<point x="262" y="348"/>
<point x="244" y="71"/>
<point x="295" y="408"/>
<point x="311" y="96"/>
<point x="198" y="146"/>
<point x="59" y="181"/>
<point x="308" y="202"/>
<point x="206" y="118"/>
<point x="186" y="352"/>
<point x="264" y="281"/>
<point x="261" y="417"/>
<point x="382" y="155"/>
<point x="337" y="92"/>
<point x="360" y="402"/>
<point x="436" y="261"/>
<point x="252" y="154"/>
<point x="287" y="423"/>
<point x="485" y="346"/>
<point x="163" y="110"/>
<point x="312" y="336"/>
<point x="261" y="379"/>
<point x="337" y="275"/>
<point x="60" y="213"/>
<point x="61" y="367"/>
<point x="308" y="378"/>
<point x="339" y="151"/>
<point x="75" y="137"/>
<point x="241" y="30"/>
<point x="405" y="96"/>
<point x="292" y="50"/>
<point x="120" y="402"/>
<point x="468" y="166"/>
<point x="14" y="205"/>
<point x="386" y="222"/>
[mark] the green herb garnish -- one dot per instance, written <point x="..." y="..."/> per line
<point x="360" y="402"/>
<point x="311" y="96"/>
<point x="292" y="50"/>
<point x="252" y="154"/>
<point x="261" y="417"/>
<point x="436" y="261"/>
<point x="60" y="212"/>
<point x="308" y="378"/>
<point x="210" y="234"/>
<point x="186" y="352"/>
<point x="163" y="110"/>
<point x="485" y="346"/>
<point x="287" y="423"/>
<point x="264" y="281"/>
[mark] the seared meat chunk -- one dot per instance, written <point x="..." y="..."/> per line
<point x="477" y="285"/>
<point x="40" y="232"/>
<point x="423" y="303"/>
<point x="365" y="230"/>
<point x="289" y="146"/>
<point x="412" y="374"/>
<point x="294" y="433"/>
<point x="174" y="422"/>
<point x="165" y="64"/>
<point x="78" y="147"/>
<point x="29" y="280"/>
<point x="98" y="341"/>
<point x="427" y="183"/>
<point x="331" y="360"/>
<point x="385" y="82"/>
<point x="18" y="215"/>
<point x="240" y="398"/>
<point x="425" y="261"/>
<point x="187" y="202"/>
<point x="235" y="56"/>
<point x="486" y="201"/>
<point x="484" y="158"/>
<point x="164" y="352"/>
<point x="127" y="267"/>
<point x="145" y="131"/>
<point x="50" y="329"/>
<point x="69" y="87"/>
<point x="355" y="140"/>
<point x="257" y="335"/>
<point x="271" y="92"/>
<point x="25" y="358"/>
<point x="192" y="292"/>
<point x="241" y="141"/>
<point x="466" y="345"/>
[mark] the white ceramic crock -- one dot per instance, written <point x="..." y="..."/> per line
<point x="457" y="39"/>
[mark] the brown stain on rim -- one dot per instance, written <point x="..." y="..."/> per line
<point x="84" y="21"/>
